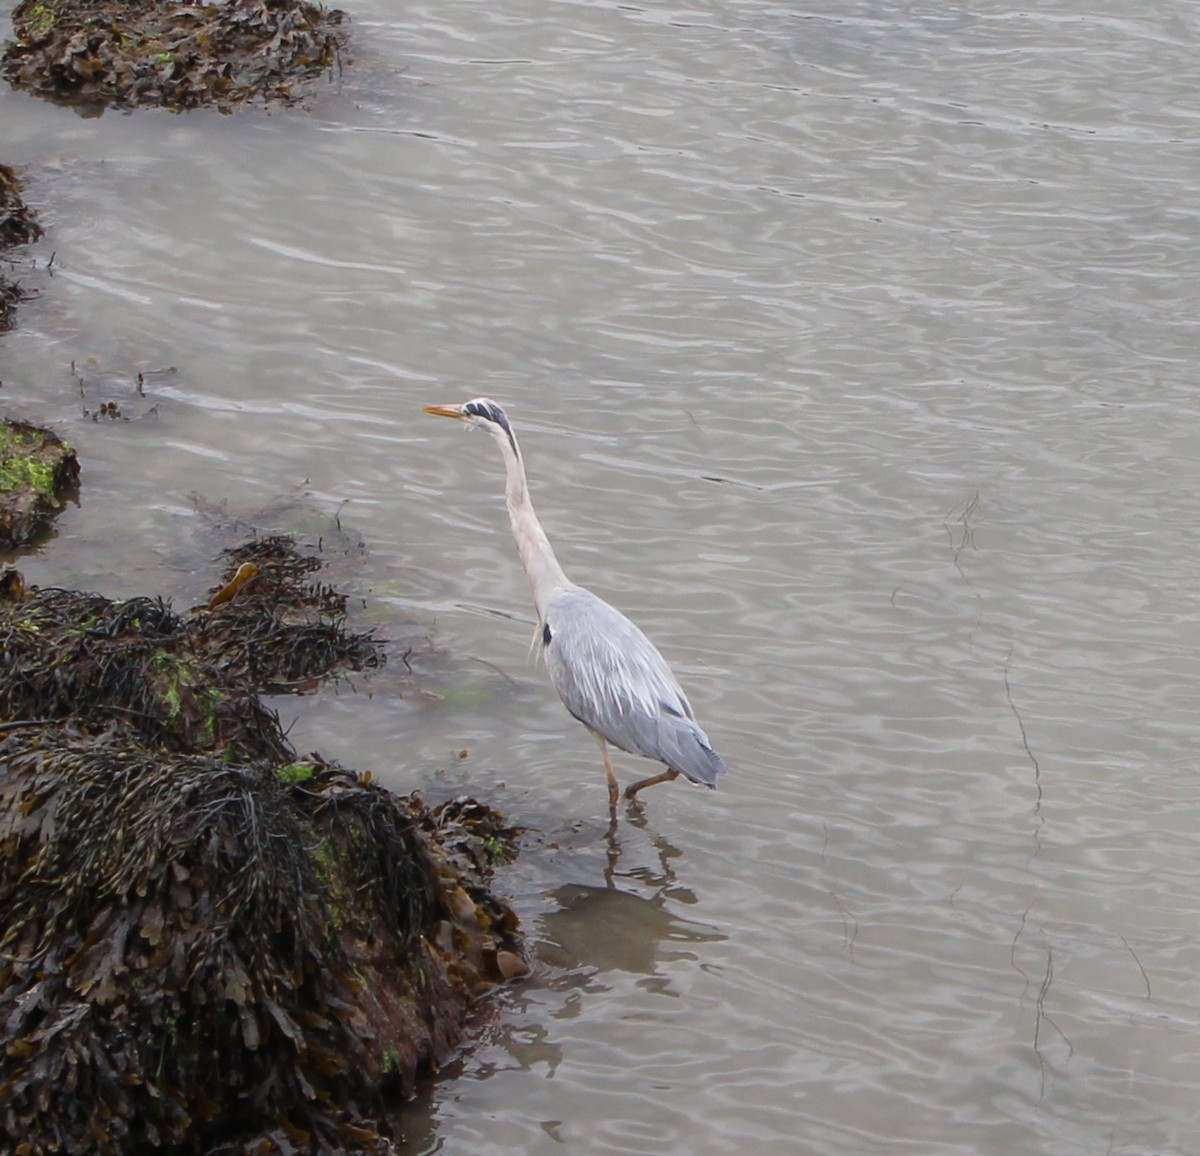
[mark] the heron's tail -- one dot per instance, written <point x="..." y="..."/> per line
<point x="687" y="751"/>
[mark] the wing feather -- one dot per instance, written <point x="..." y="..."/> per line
<point x="612" y="678"/>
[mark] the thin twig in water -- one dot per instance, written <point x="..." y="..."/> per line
<point x="1042" y="1014"/>
<point x="968" y="509"/>
<point x="849" y="923"/>
<point x="1037" y="767"/>
<point x="503" y="674"/>
<point x="1013" y="953"/>
<point x="1037" y="770"/>
<point x="1145" y="977"/>
<point x="970" y="506"/>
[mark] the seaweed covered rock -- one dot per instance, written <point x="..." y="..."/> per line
<point x="185" y="682"/>
<point x="18" y="226"/>
<point x="207" y="943"/>
<point x="38" y="471"/>
<point x="203" y="955"/>
<point x="177" y="54"/>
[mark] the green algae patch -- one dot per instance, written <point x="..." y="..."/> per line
<point x="296" y="772"/>
<point x="172" y="54"/>
<point x="38" y="472"/>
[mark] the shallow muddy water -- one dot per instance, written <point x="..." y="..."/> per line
<point x="852" y="353"/>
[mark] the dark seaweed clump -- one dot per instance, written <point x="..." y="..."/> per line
<point x="285" y="630"/>
<point x="207" y="943"/>
<point x="210" y="957"/>
<point x="176" y="54"/>
<point x="183" y="682"/>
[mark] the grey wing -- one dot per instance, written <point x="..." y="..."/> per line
<point x="612" y="678"/>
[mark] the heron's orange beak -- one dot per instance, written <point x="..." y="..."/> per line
<point x="445" y="410"/>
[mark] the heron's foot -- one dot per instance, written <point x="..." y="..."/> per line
<point x="632" y="790"/>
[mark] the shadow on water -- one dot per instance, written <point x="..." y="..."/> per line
<point x="598" y="903"/>
<point x="627" y="923"/>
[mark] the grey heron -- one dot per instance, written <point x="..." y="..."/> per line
<point x="609" y="675"/>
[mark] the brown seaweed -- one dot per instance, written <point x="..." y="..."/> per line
<point x="175" y="54"/>
<point x="202" y="955"/>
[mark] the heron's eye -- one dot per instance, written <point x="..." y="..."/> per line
<point x="546" y="634"/>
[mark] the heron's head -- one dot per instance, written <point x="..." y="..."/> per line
<point x="480" y="412"/>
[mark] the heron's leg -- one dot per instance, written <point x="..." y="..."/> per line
<point x="633" y="788"/>
<point x="614" y="788"/>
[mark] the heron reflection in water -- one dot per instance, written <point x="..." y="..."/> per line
<point x="609" y="675"/>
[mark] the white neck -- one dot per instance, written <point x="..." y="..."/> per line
<point x="542" y="568"/>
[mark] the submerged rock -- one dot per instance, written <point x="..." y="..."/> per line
<point x="18" y="226"/>
<point x="208" y="943"/>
